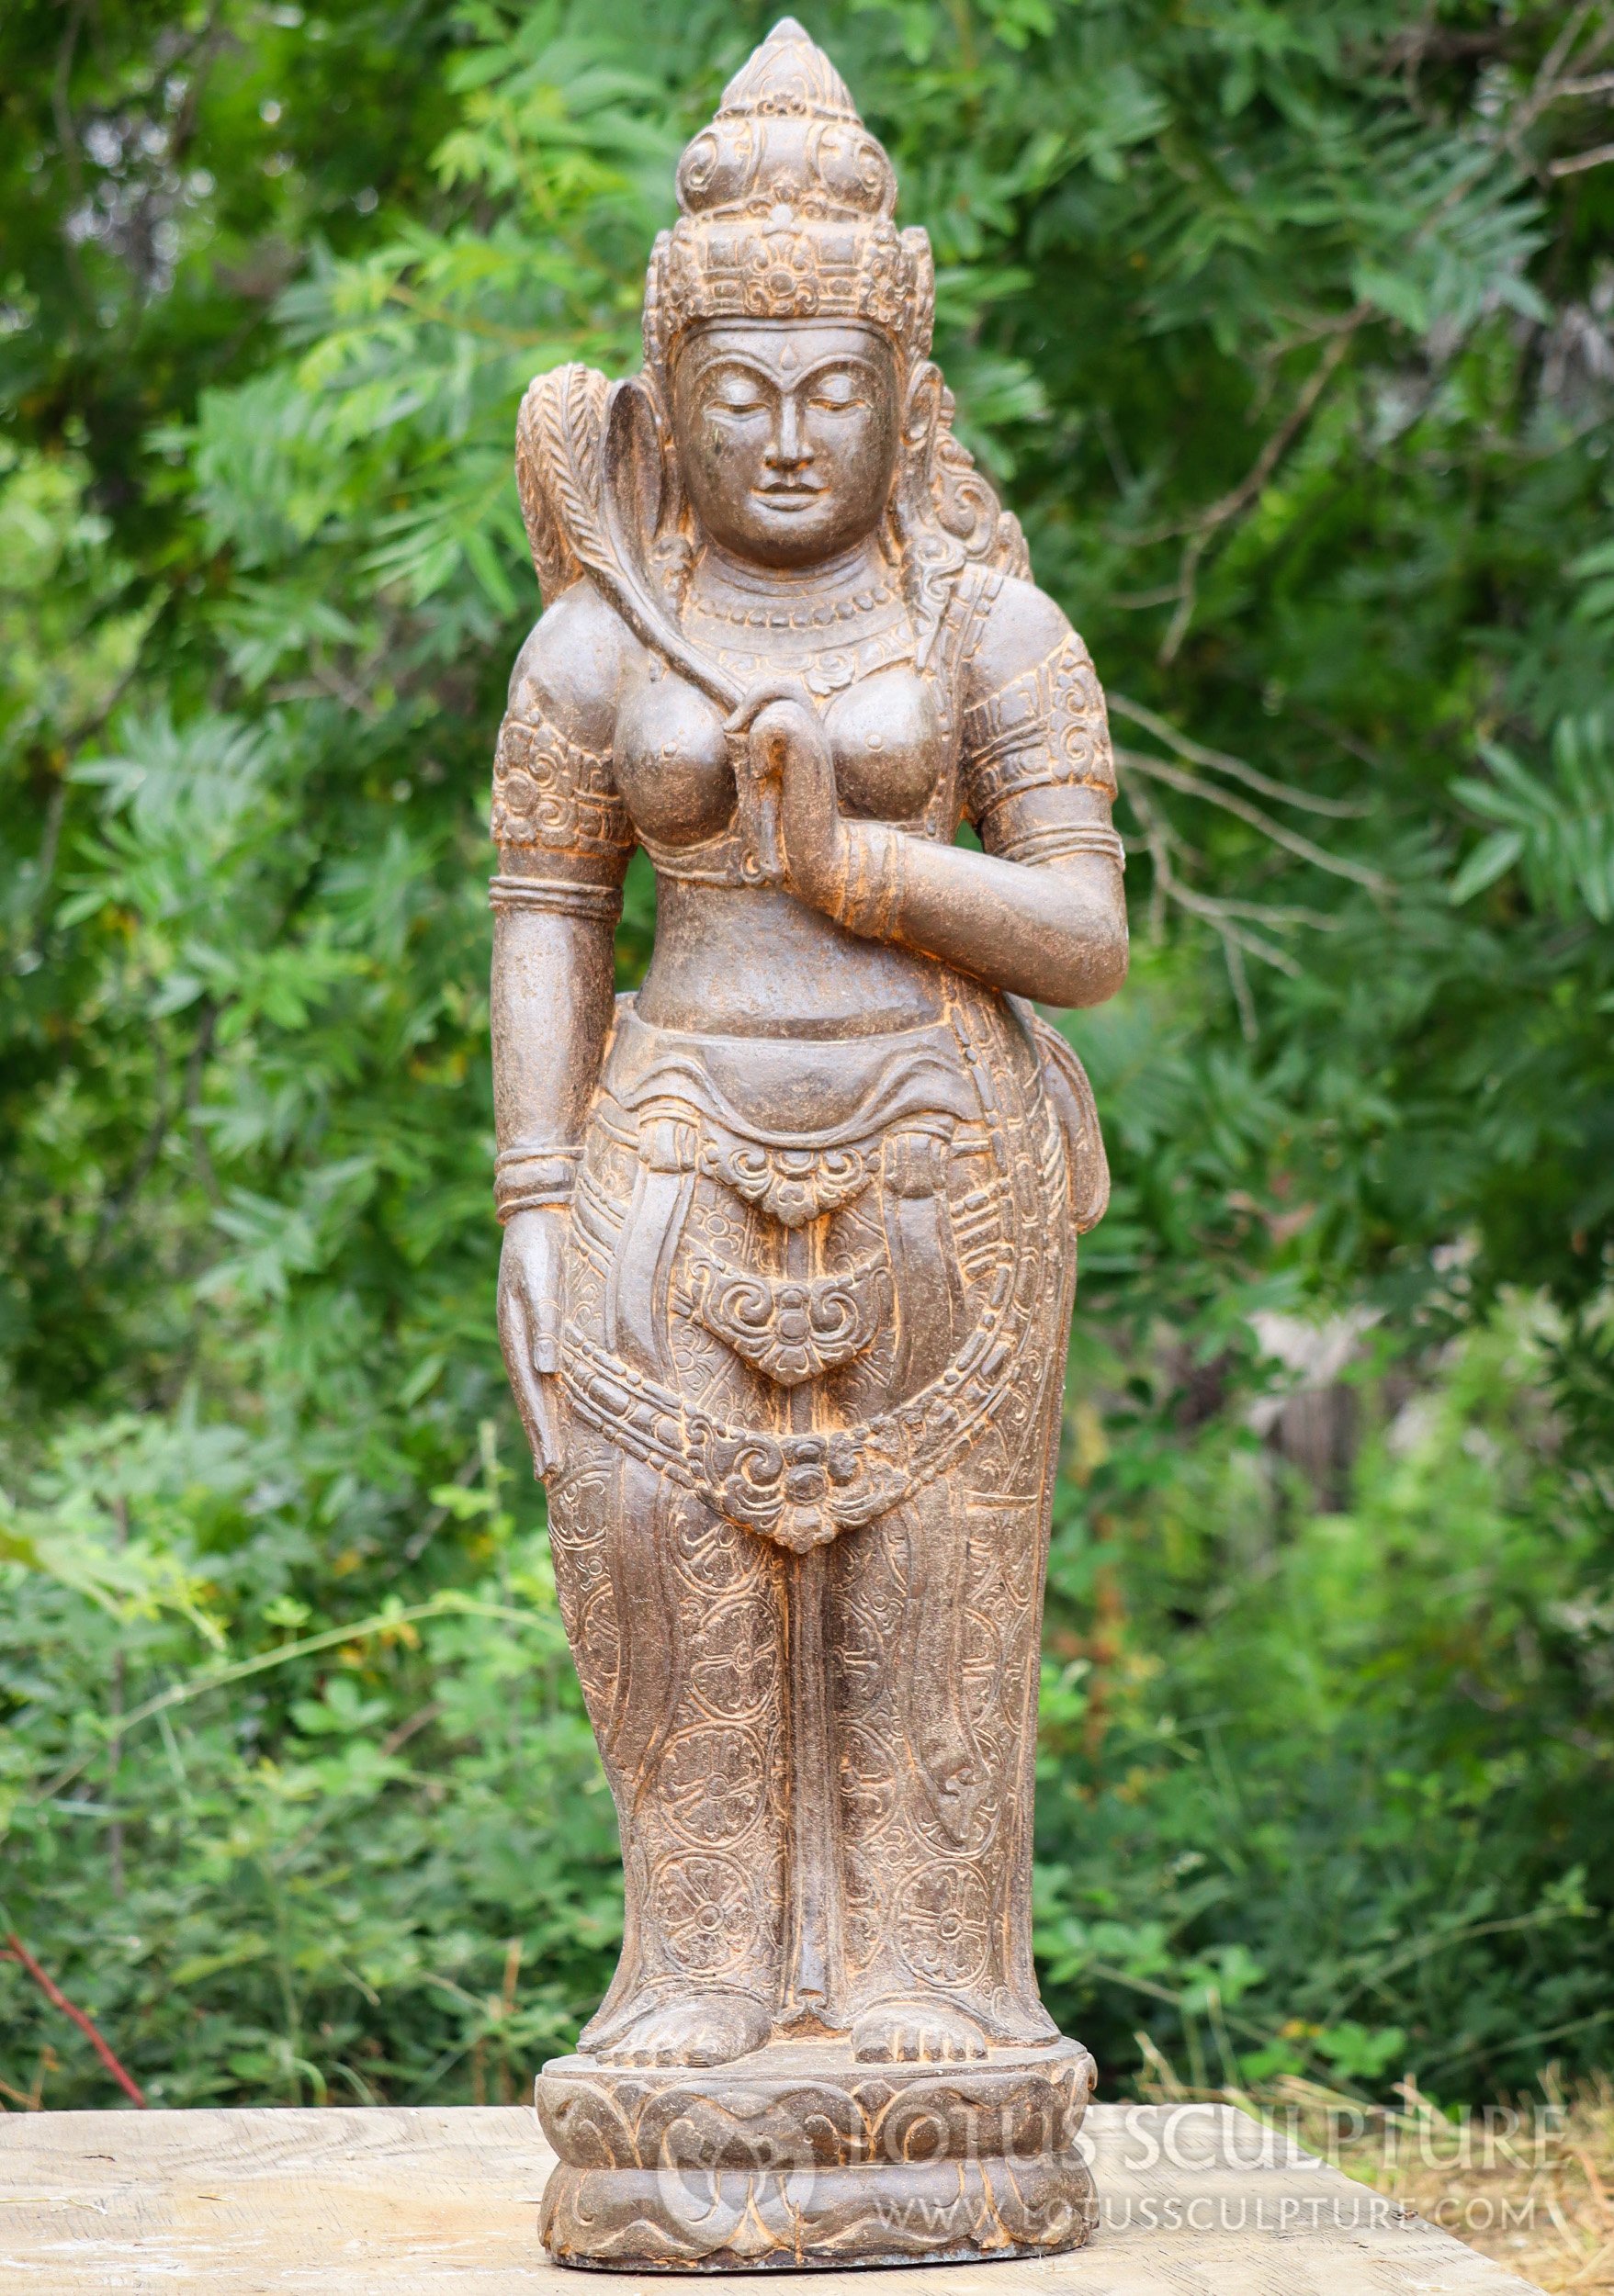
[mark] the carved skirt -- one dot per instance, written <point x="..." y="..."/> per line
<point x="817" y="1304"/>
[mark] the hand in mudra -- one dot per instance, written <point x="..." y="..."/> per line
<point x="529" y="1324"/>
<point x="790" y="764"/>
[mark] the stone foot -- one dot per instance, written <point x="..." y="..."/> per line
<point x="710" y="2029"/>
<point x="916" y="2032"/>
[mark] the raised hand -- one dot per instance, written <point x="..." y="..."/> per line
<point x="792" y="777"/>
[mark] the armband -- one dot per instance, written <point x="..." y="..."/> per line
<point x="556" y="897"/>
<point x="549" y="792"/>
<point x="1045" y="729"/>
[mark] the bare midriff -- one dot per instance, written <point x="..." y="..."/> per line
<point x="746" y="961"/>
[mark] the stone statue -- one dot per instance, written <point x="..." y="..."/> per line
<point x="789" y="1236"/>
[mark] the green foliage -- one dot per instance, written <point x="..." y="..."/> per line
<point x="1287" y="334"/>
<point x="1561" y="832"/>
<point x="1344" y="1827"/>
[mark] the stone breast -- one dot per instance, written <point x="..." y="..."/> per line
<point x="886" y="745"/>
<point x="672" y="768"/>
<point x="674" y="774"/>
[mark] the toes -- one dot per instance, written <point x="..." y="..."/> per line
<point x="646" y="2043"/>
<point x="733" y="2031"/>
<point x="935" y="2039"/>
<point x="711" y="2035"/>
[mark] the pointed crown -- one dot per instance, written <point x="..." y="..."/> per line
<point x="786" y="204"/>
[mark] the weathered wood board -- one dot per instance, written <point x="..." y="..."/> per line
<point x="1197" y="2201"/>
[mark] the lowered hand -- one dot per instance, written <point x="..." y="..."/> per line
<point x="529" y="1324"/>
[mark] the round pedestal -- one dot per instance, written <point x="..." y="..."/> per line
<point x="796" y="2156"/>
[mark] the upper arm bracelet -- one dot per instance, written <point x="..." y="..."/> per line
<point x="1045" y="729"/>
<point x="550" y="792"/>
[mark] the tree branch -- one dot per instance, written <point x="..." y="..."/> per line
<point x="1238" y="498"/>
<point x="1219" y="761"/>
<point x="14" y="1949"/>
<point x="1156" y="770"/>
<point x="1226" y="918"/>
<point x="1581" y="160"/>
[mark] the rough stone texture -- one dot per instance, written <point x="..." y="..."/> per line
<point x="800" y="2153"/>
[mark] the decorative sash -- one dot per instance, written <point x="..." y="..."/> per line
<point x="789" y="1328"/>
<point x="803" y="1490"/>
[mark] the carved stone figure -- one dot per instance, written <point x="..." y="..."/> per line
<point x="790" y="1237"/>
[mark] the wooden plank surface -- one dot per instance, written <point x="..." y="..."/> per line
<point x="1198" y="2201"/>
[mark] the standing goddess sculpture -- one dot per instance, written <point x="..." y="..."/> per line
<point x="790" y="1237"/>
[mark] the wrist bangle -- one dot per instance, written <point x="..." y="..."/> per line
<point x="506" y="1207"/>
<point x="871" y="888"/>
<point x="526" y="1177"/>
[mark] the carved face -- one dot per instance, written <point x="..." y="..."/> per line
<point x="787" y="434"/>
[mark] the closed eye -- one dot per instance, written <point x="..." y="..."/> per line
<point x="837" y="394"/>
<point x="734" y="395"/>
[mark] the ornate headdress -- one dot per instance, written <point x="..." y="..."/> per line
<point x="787" y="202"/>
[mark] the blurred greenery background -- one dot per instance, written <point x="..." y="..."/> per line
<point x="1286" y="330"/>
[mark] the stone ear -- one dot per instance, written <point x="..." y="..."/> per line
<point x="635" y="462"/>
<point x="655" y="508"/>
<point x="923" y="414"/>
<point x="921" y="410"/>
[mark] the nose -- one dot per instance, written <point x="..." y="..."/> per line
<point x="788" y="448"/>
